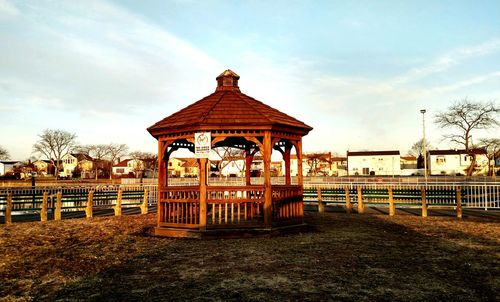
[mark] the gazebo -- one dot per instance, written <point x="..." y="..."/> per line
<point x="229" y="118"/>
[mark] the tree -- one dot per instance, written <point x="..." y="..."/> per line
<point x="466" y="116"/>
<point x="319" y="163"/>
<point x="227" y="156"/>
<point x="115" y="152"/>
<point x="417" y="149"/>
<point x="4" y="154"/>
<point x="492" y="147"/>
<point x="54" y="144"/>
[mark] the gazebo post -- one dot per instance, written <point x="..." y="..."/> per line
<point x="202" y="162"/>
<point x="268" y="193"/>
<point x="286" y="158"/>
<point x="300" y="178"/>
<point x="161" y="177"/>
<point x="248" y="165"/>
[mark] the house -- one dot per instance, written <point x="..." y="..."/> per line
<point x="338" y="166"/>
<point x="43" y="167"/>
<point x="175" y="168"/>
<point x="190" y="167"/>
<point x="457" y="162"/>
<point x="128" y="167"/>
<point x="386" y="163"/>
<point x="408" y="162"/>
<point x="8" y="166"/>
<point x="77" y="162"/>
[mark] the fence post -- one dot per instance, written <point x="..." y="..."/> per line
<point x="361" y="205"/>
<point x="459" y="201"/>
<point x="118" y="206"/>
<point x="424" y="203"/>
<point x="8" y="210"/>
<point x="144" y="206"/>
<point x="392" y="207"/>
<point x="321" y="204"/>
<point x="348" y="204"/>
<point x="88" y="210"/>
<point x="43" y="210"/>
<point x="57" y="212"/>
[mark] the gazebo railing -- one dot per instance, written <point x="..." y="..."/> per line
<point x="287" y="205"/>
<point x="239" y="206"/>
<point x="179" y="207"/>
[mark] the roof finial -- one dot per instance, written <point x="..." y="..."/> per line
<point x="228" y="80"/>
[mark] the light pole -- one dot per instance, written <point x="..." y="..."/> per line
<point x="424" y="143"/>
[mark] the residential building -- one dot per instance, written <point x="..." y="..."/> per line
<point x="190" y="167"/>
<point x="43" y="167"/>
<point x="457" y="162"/>
<point x="338" y="166"/>
<point x="8" y="166"/>
<point x="365" y="163"/>
<point x="128" y="167"/>
<point x="84" y="163"/>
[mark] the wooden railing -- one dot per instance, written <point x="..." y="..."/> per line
<point x="287" y="205"/>
<point x="179" y="206"/>
<point x="241" y="206"/>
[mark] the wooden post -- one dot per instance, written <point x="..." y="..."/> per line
<point x="348" y="204"/>
<point x="286" y="159"/>
<point x="424" y="203"/>
<point x="203" y="193"/>
<point x="43" y="210"/>
<point x="300" y="177"/>
<point x="361" y="204"/>
<point x="392" y="207"/>
<point x="321" y="204"/>
<point x="8" y="210"/>
<point x="57" y="211"/>
<point x="459" y="202"/>
<point x="118" y="206"/>
<point x="145" y="202"/>
<point x="88" y="210"/>
<point x="248" y="166"/>
<point x="268" y="193"/>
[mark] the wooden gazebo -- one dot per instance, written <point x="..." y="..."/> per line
<point x="233" y="119"/>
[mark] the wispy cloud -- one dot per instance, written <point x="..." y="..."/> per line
<point x="7" y="9"/>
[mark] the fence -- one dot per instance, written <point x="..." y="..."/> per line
<point x="59" y="202"/>
<point x="70" y="201"/>
<point x="448" y="195"/>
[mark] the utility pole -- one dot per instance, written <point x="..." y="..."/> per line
<point x="424" y="143"/>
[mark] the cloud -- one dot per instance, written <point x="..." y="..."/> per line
<point x="7" y="9"/>
<point x="97" y="55"/>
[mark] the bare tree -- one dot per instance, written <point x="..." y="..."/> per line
<point x="138" y="162"/>
<point x="319" y="163"/>
<point x="492" y="147"/>
<point x="54" y="144"/>
<point x="4" y="154"/>
<point x="466" y="116"/>
<point x="227" y="156"/>
<point x="115" y="152"/>
<point x="417" y="148"/>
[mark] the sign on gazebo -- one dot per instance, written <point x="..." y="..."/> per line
<point x="202" y="143"/>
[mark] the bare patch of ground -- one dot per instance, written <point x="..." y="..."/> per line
<point x="347" y="258"/>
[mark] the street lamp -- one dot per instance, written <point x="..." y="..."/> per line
<point x="424" y="143"/>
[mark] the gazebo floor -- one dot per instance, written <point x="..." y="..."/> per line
<point x="219" y="233"/>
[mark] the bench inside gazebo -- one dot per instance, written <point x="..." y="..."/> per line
<point x="229" y="118"/>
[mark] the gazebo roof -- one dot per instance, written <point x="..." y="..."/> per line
<point x="228" y="108"/>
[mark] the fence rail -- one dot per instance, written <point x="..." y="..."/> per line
<point x="57" y="201"/>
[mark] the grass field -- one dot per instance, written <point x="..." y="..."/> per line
<point x="343" y="258"/>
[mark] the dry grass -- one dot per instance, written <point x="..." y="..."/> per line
<point x="347" y="257"/>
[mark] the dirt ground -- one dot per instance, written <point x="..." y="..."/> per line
<point x="343" y="258"/>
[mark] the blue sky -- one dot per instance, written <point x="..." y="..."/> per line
<point x="357" y="71"/>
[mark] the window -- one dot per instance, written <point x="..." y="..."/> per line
<point x="366" y="171"/>
<point x="120" y="170"/>
<point x="440" y="160"/>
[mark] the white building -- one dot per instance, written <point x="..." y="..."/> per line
<point x="456" y="162"/>
<point x="373" y="163"/>
<point x="7" y="166"/>
<point x="128" y="166"/>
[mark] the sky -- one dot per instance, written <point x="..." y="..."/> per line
<point x="358" y="72"/>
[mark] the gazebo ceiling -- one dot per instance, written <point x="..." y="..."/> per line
<point x="228" y="108"/>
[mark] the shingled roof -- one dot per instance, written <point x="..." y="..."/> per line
<point x="228" y="108"/>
